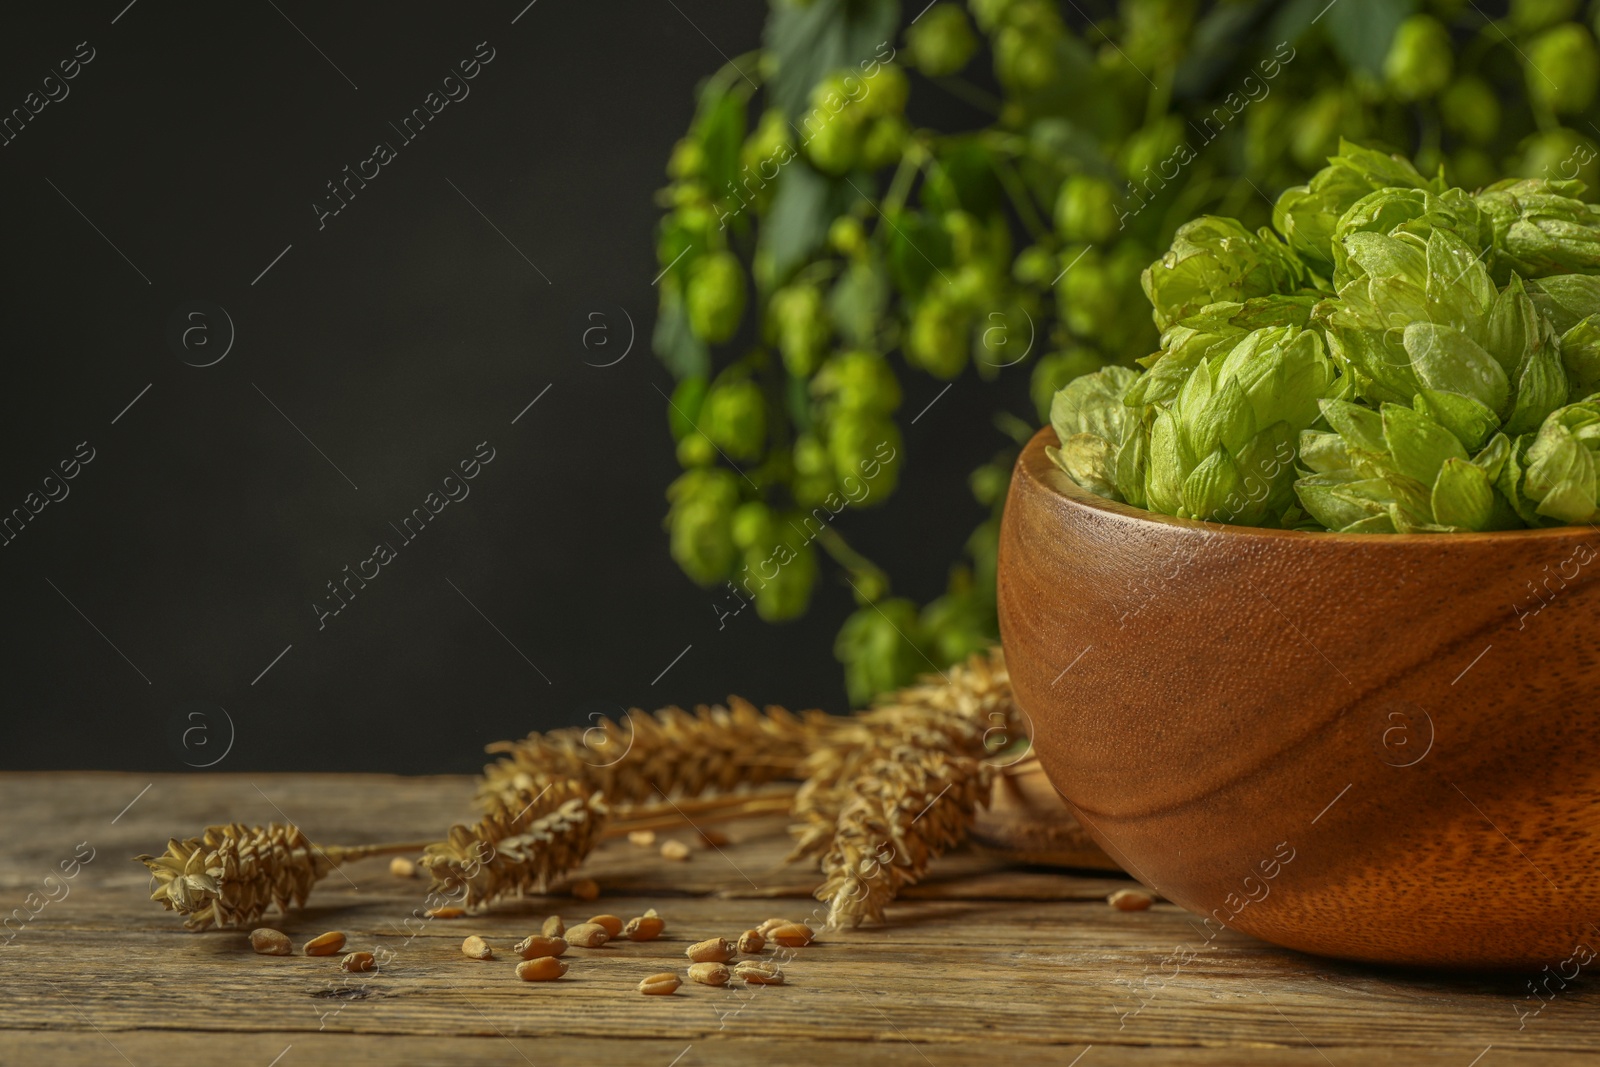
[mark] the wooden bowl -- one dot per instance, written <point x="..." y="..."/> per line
<point x="1377" y="747"/>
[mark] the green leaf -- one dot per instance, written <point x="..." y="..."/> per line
<point x="808" y="41"/>
<point x="684" y="354"/>
<point x="797" y="224"/>
<point x="1419" y="445"/>
<point x="1463" y="496"/>
<point x="918" y="249"/>
<point x="685" y="406"/>
<point x="1447" y="359"/>
<point x="857" y="302"/>
<point x="1463" y="416"/>
<point x="720" y="125"/>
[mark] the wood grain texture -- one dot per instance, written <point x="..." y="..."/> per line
<point x="984" y="954"/>
<point x="1369" y="747"/>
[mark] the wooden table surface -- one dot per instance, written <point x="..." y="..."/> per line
<point x="982" y="961"/>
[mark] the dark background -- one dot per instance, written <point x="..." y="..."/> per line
<point x="145" y="606"/>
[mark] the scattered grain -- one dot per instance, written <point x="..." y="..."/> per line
<point x="712" y="838"/>
<point x="325" y="944"/>
<point x="401" y="867"/>
<point x="644" y="928"/>
<point x="449" y="911"/>
<point x="1130" y="900"/>
<point x="644" y="839"/>
<point x="553" y="927"/>
<point x="753" y="972"/>
<point x="586" y="889"/>
<point x="709" y="973"/>
<point x="541" y="969"/>
<point x="358" y="961"/>
<point x="751" y="942"/>
<point x="674" y="850"/>
<point x="588" y="935"/>
<point x="663" y="984"/>
<point x="612" y="924"/>
<point x="711" y="950"/>
<point x="270" y="942"/>
<point x="477" y="948"/>
<point x="792" y="935"/>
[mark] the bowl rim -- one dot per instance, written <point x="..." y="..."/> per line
<point x="1041" y="471"/>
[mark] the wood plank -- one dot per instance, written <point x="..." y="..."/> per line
<point x="1031" y="958"/>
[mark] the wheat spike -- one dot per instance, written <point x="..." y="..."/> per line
<point x="670" y="753"/>
<point x="231" y="874"/>
<point x="901" y="785"/>
<point x="512" y="851"/>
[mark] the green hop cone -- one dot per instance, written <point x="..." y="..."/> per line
<point x="1559" y="472"/>
<point x="715" y="296"/>
<point x="881" y="647"/>
<point x="780" y="570"/>
<point x="753" y="525"/>
<point x="1100" y="441"/>
<point x="801" y="325"/>
<point x="1228" y="453"/>
<point x="1147" y="148"/>
<point x="696" y="450"/>
<point x="957" y="625"/>
<point x="700" y="523"/>
<point x="1210" y="332"/>
<point x="1027" y="47"/>
<point x="1215" y="259"/>
<point x="847" y="236"/>
<point x="1397" y="470"/>
<point x="734" y="417"/>
<point x="865" y="451"/>
<point x="886" y="91"/>
<point x="1563" y="68"/>
<point x="1540" y="228"/>
<point x="940" y="41"/>
<point x="1471" y="108"/>
<point x="1420" y="61"/>
<point x="937" y="338"/>
<point x="813" y="472"/>
<point x="832" y="126"/>
<point x="1530" y="15"/>
<point x="1035" y="265"/>
<point x="1087" y="209"/>
<point x="858" y="382"/>
<point x="1306" y="215"/>
<point x="1559" y="155"/>
<point x="884" y="142"/>
<point x="770" y="146"/>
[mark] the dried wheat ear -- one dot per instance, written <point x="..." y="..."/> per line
<point x="231" y="874"/>
<point x="900" y="785"/>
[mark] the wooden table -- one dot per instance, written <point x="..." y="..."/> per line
<point x="980" y="963"/>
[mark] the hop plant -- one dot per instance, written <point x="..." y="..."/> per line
<point x="1404" y="392"/>
<point x="824" y="255"/>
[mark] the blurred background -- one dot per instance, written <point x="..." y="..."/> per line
<point x="258" y="344"/>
